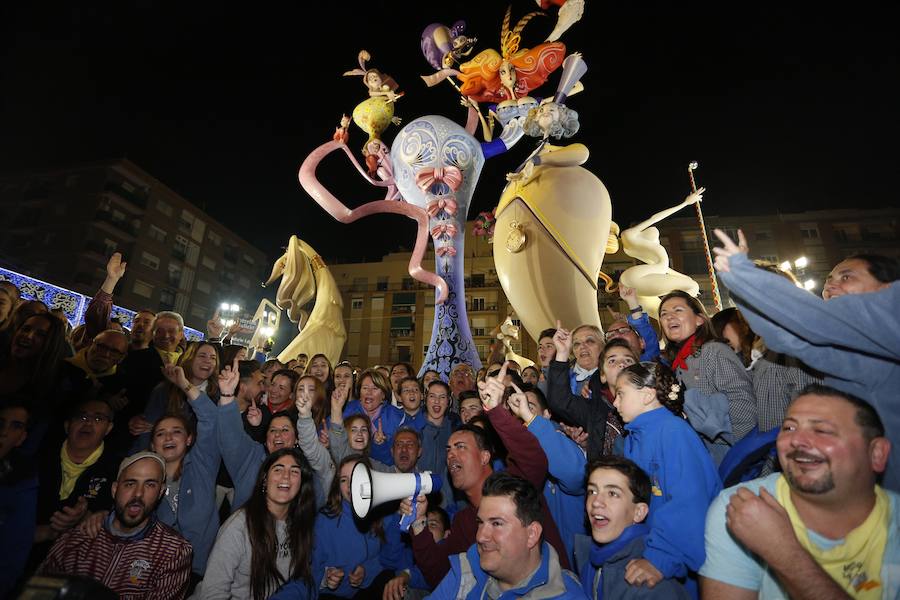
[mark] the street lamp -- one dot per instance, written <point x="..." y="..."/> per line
<point x="800" y="265"/>
<point x="229" y="312"/>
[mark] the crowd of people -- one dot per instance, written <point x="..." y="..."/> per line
<point x="746" y="454"/>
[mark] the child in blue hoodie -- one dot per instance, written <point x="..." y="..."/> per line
<point x="683" y="478"/>
<point x="617" y="504"/>
<point x="346" y="551"/>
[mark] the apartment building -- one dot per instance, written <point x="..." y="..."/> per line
<point x="62" y="225"/>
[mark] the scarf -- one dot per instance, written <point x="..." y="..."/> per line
<point x="592" y="577"/>
<point x="856" y="563"/>
<point x="686" y="350"/>
<point x="581" y="373"/>
<point x="169" y="358"/>
<point x="72" y="471"/>
<point x="80" y="361"/>
<point x="374" y="416"/>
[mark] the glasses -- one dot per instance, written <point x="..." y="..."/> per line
<point x="97" y="418"/>
<point x="114" y="352"/>
<point x="619" y="331"/>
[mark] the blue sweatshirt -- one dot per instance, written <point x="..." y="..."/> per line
<point x="684" y="483"/>
<point x="648" y="334"/>
<point x="564" y="488"/>
<point x="389" y="420"/>
<point x="854" y="340"/>
<point x="417" y="422"/>
<point x="339" y="543"/>
<point x="466" y="580"/>
<point x="197" y="518"/>
<point x="18" y="520"/>
<point x="603" y="576"/>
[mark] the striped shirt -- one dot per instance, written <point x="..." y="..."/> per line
<point x="777" y="380"/>
<point x="153" y="565"/>
<point x="718" y="369"/>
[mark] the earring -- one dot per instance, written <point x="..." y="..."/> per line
<point x="263" y="489"/>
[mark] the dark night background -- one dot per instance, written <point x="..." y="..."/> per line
<point x="785" y="108"/>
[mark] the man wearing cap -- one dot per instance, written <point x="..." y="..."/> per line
<point x="134" y="554"/>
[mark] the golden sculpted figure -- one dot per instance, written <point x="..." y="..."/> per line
<point x="304" y="276"/>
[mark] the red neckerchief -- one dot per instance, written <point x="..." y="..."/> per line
<point x="686" y="350"/>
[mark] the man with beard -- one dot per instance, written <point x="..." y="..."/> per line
<point x="823" y="529"/>
<point x="134" y="555"/>
<point x="142" y="329"/>
<point x="250" y="391"/>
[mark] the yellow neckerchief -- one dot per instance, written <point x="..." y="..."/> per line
<point x="71" y="471"/>
<point x="80" y="361"/>
<point x="169" y="358"/>
<point x="856" y="564"/>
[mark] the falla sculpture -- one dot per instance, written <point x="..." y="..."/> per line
<point x="304" y="276"/>
<point x="553" y="221"/>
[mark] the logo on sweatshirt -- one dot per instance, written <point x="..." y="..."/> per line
<point x="95" y="485"/>
<point x="137" y="569"/>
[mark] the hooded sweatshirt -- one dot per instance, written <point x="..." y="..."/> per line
<point x="684" y="483"/>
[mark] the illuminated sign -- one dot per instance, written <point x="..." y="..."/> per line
<point x="71" y="303"/>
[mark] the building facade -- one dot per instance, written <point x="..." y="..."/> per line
<point x="388" y="315"/>
<point x="823" y="238"/>
<point x="61" y="225"/>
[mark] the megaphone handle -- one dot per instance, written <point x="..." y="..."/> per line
<point x="407" y="520"/>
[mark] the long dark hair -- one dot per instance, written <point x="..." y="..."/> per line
<point x="732" y="316"/>
<point x="332" y="507"/>
<point x="660" y="378"/>
<point x="704" y="332"/>
<point x="176" y="399"/>
<point x="264" y="575"/>
<point x="42" y="370"/>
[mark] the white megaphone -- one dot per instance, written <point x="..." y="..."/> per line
<point x="370" y="488"/>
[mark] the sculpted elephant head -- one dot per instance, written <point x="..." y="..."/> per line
<point x="550" y="239"/>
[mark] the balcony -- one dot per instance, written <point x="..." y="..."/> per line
<point x="402" y="333"/>
<point x="473" y="307"/>
<point x="136" y="201"/>
<point x="117" y="225"/>
<point x="179" y="253"/>
<point x="403" y="310"/>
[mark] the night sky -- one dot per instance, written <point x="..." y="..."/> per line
<point x="785" y="108"/>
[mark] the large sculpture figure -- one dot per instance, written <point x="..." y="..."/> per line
<point x="436" y="167"/>
<point x="654" y="278"/>
<point x="553" y="223"/>
<point x="304" y="276"/>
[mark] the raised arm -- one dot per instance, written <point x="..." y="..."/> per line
<point x="96" y="316"/>
<point x="308" y="439"/>
<point x="657" y="217"/>
<point x="855" y="322"/>
<point x="563" y="403"/>
<point x="566" y="461"/>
